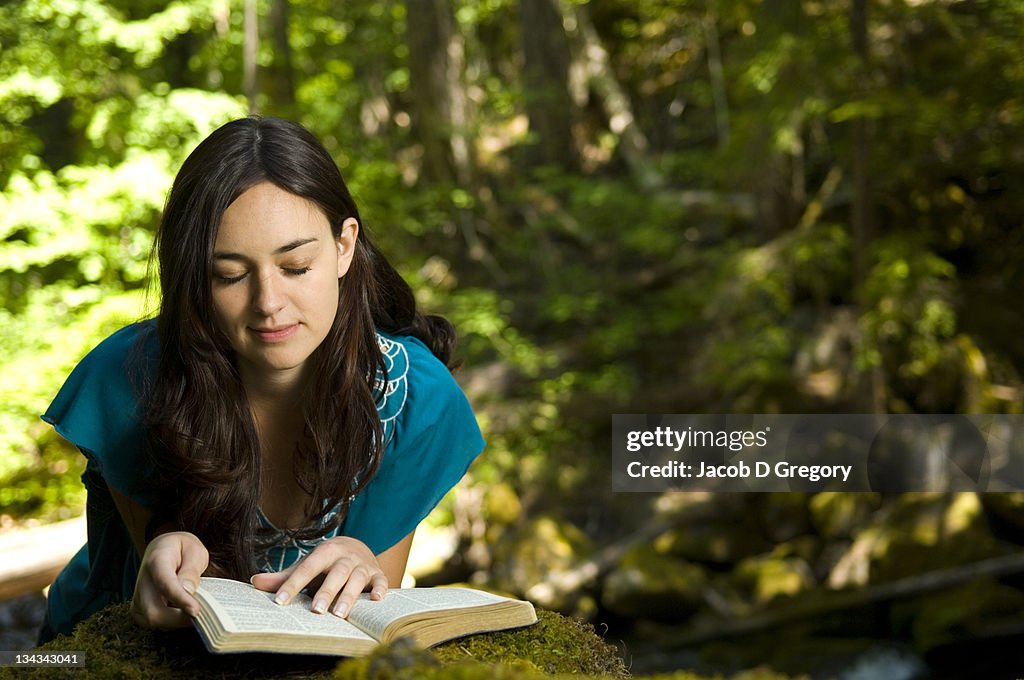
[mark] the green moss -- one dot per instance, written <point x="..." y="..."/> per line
<point x="555" y="644"/>
<point x="403" y="661"/>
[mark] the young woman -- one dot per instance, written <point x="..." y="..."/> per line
<point x="288" y="417"/>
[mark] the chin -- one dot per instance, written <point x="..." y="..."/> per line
<point x="279" y="361"/>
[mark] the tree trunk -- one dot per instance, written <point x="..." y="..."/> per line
<point x="860" y="214"/>
<point x="860" y="217"/>
<point x="250" y="48"/>
<point x="716" y="73"/>
<point x="587" y="48"/>
<point x="782" y="172"/>
<point x="279" y="83"/>
<point x="437" y="62"/>
<point x="549" y="106"/>
<point x="436" y="65"/>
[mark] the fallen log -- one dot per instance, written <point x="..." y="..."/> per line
<point x="31" y="558"/>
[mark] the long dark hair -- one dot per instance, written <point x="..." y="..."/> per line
<point x="201" y="432"/>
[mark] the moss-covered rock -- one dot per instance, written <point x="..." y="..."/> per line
<point x="555" y="644"/>
<point x="927" y="531"/>
<point x="715" y="542"/>
<point x="713" y="529"/>
<point x="767" y="577"/>
<point x="838" y="514"/>
<point x="117" y="648"/>
<point x="647" y="584"/>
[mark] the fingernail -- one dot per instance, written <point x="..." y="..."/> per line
<point x="252" y="579"/>
<point x="281" y="598"/>
<point x="377" y="594"/>
<point x="320" y="605"/>
<point x="341" y="609"/>
<point x="189" y="587"/>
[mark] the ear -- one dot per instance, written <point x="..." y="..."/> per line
<point x="347" y="244"/>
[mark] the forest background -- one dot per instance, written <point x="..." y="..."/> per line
<point x="671" y="206"/>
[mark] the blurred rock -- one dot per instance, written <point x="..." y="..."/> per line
<point x="20" y="620"/>
<point x="714" y="529"/>
<point x="767" y="577"/>
<point x="927" y="531"/>
<point x="715" y="542"/>
<point x="647" y="584"/>
<point x="839" y="515"/>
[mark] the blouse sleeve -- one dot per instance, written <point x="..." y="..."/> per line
<point x="97" y="409"/>
<point x="432" y="439"/>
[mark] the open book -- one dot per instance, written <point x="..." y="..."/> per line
<point x="235" y="617"/>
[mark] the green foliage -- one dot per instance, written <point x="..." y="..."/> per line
<point x="910" y="301"/>
<point x="88" y="157"/>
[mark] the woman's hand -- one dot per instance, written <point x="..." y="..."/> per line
<point x="347" y="568"/>
<point x="168" y="575"/>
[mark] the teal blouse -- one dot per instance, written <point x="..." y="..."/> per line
<point x="430" y="433"/>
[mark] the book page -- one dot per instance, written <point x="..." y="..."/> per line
<point x="242" y="608"/>
<point x="374" y="616"/>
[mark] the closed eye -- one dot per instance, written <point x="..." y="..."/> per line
<point x="229" y="279"/>
<point x="296" y="271"/>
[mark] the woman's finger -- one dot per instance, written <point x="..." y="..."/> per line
<point x="332" y="584"/>
<point x="322" y="559"/>
<point x="271" y="580"/>
<point x="378" y="586"/>
<point x="357" y="581"/>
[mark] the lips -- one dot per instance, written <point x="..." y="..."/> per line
<point x="276" y="334"/>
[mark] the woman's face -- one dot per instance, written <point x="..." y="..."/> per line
<point x="276" y="267"/>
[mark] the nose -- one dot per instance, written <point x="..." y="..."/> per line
<point x="268" y="298"/>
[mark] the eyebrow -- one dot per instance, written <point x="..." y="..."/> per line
<point x="286" y="248"/>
